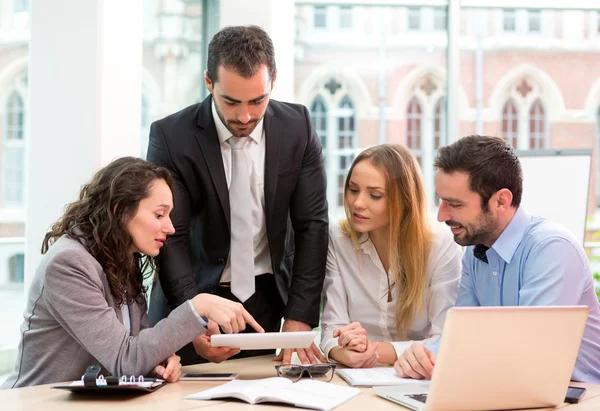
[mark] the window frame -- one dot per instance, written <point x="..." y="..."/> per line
<point x="320" y="15"/>
<point x="13" y="151"/>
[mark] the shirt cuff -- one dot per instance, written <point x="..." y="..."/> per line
<point x="327" y="346"/>
<point x="203" y="320"/>
<point x="434" y="346"/>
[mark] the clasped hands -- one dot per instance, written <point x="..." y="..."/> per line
<point x="354" y="348"/>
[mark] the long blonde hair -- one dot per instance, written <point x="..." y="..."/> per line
<point x="410" y="234"/>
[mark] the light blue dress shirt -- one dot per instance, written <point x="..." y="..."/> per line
<point x="536" y="262"/>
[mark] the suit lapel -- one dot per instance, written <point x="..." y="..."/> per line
<point x="208" y="140"/>
<point x="273" y="127"/>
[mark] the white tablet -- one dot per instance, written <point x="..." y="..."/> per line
<point x="261" y="341"/>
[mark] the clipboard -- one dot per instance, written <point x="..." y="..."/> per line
<point x="94" y="382"/>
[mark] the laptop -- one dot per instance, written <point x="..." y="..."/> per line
<point x="493" y="358"/>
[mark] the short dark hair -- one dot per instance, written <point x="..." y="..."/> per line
<point x="243" y="49"/>
<point x="490" y="162"/>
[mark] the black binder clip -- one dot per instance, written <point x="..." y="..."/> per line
<point x="90" y="376"/>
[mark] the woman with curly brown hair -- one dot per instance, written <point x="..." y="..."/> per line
<point x="86" y="302"/>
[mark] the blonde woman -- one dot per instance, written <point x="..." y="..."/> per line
<point x="391" y="274"/>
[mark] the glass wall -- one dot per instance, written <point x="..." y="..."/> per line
<point x="176" y="34"/>
<point x="14" y="42"/>
<point x="380" y="74"/>
<point x="528" y="75"/>
<point x="371" y="75"/>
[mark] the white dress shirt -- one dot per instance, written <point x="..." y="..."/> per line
<point x="356" y="287"/>
<point x="255" y="154"/>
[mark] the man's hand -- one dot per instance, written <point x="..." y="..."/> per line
<point x="305" y="355"/>
<point x="415" y="362"/>
<point x="212" y="354"/>
<point x="352" y="336"/>
<point x="169" y="370"/>
<point x="231" y="316"/>
<point x="366" y="359"/>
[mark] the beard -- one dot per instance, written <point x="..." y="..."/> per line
<point x="230" y="124"/>
<point x="478" y="233"/>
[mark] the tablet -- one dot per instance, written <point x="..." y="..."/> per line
<point x="261" y="341"/>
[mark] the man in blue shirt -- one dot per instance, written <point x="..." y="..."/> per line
<point x="512" y="258"/>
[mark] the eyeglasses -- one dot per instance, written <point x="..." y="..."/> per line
<point x="320" y="372"/>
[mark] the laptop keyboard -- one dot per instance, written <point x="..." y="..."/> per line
<point x="419" y="397"/>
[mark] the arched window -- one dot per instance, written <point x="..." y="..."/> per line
<point x="13" y="165"/>
<point x="346" y="137"/>
<point x="439" y="124"/>
<point x="414" y="115"/>
<point x="537" y="126"/>
<point x="510" y="123"/>
<point x="318" y="114"/>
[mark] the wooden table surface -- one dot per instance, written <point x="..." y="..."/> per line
<point x="171" y="396"/>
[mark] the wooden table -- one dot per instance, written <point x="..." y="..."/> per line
<point x="171" y="396"/>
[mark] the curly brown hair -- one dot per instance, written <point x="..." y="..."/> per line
<point x="98" y="220"/>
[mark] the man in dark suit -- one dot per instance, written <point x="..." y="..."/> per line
<point x="250" y="208"/>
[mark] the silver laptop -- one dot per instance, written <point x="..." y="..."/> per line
<point x="494" y="358"/>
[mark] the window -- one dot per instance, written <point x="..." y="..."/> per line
<point x="346" y="143"/>
<point x="318" y="114"/>
<point x="320" y="17"/>
<point x="346" y="17"/>
<point x="13" y="166"/>
<point x="21" y="13"/>
<point x="414" y="18"/>
<point x="510" y="123"/>
<point x="413" y="128"/>
<point x="535" y="21"/>
<point x="21" y="5"/>
<point x="537" y="126"/>
<point x="439" y="124"/>
<point x="510" y="20"/>
<point x="16" y="268"/>
<point x="440" y="19"/>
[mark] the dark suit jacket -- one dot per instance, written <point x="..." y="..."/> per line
<point x="295" y="206"/>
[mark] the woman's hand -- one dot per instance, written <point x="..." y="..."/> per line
<point x="231" y="316"/>
<point x="170" y="369"/>
<point x="352" y="336"/>
<point x="366" y="359"/>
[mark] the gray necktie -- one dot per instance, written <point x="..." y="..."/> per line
<point x="242" y="239"/>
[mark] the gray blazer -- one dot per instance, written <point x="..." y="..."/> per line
<point x="71" y="321"/>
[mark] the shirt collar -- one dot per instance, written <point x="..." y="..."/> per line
<point x="513" y="234"/>
<point x="224" y="133"/>
<point x="365" y="244"/>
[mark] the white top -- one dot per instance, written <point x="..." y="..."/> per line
<point x="255" y="154"/>
<point x="356" y="286"/>
<point x="126" y="318"/>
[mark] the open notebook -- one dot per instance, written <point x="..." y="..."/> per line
<point x="369" y="377"/>
<point x="307" y="393"/>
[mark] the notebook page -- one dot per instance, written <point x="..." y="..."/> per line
<point x="375" y="376"/>
<point x="317" y="395"/>
<point x="246" y="390"/>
